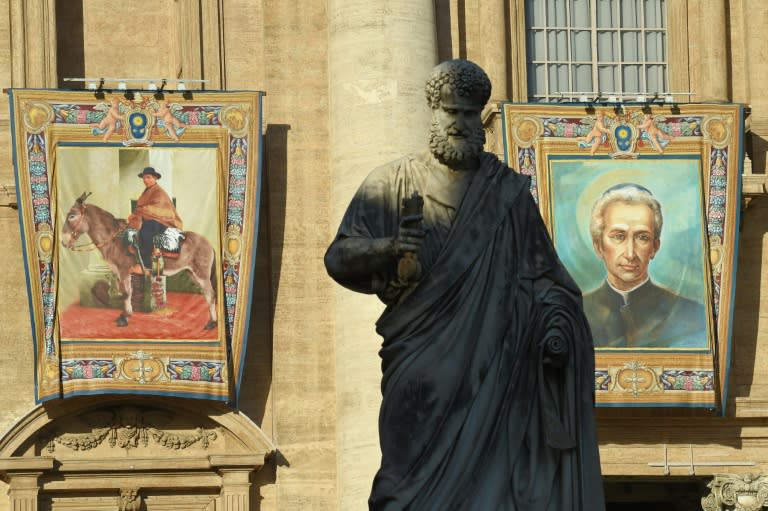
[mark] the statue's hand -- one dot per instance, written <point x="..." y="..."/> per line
<point x="410" y="235"/>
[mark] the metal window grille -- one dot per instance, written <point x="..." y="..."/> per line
<point x="596" y="48"/>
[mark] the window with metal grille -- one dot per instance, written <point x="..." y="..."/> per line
<point x="593" y="48"/>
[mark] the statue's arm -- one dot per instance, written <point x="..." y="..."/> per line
<point x="355" y="261"/>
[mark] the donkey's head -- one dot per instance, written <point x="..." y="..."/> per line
<point x="75" y="224"/>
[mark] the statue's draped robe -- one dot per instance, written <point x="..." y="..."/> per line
<point x="488" y="365"/>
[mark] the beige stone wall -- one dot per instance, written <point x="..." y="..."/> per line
<point x="303" y="385"/>
<point x="16" y="364"/>
<point x="380" y="54"/>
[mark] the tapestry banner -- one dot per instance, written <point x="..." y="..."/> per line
<point x="642" y="202"/>
<point x="139" y="220"/>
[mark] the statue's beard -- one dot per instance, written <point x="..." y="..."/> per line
<point x="455" y="151"/>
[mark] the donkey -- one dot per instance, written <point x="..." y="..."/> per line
<point x="196" y="256"/>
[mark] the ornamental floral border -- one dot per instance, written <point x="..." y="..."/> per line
<point x="628" y="131"/>
<point x="148" y="120"/>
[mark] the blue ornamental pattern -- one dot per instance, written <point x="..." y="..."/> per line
<point x="195" y="370"/>
<point x="76" y="114"/>
<point x="238" y="168"/>
<point x="686" y="380"/>
<point x="623" y="134"/>
<point x="718" y="163"/>
<point x="526" y="161"/>
<point x="87" y="369"/>
<point x="41" y="213"/>
<point x="602" y="379"/>
<point x="137" y="123"/>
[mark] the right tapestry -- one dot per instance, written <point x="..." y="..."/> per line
<point x="642" y="204"/>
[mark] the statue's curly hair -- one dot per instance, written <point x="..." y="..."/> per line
<point x="463" y="76"/>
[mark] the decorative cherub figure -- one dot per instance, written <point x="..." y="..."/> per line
<point x="172" y="123"/>
<point x="111" y="120"/>
<point x="657" y="138"/>
<point x="596" y="135"/>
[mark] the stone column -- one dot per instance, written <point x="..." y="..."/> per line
<point x="235" y="471"/>
<point x="23" y="489"/>
<point x="23" y="477"/>
<point x="493" y="46"/>
<point x="712" y="72"/>
<point x="235" y="488"/>
<point x="380" y="55"/>
<point x="33" y="43"/>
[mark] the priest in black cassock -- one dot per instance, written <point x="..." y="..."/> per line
<point x="487" y="358"/>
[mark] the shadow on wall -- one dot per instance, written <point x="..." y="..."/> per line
<point x="674" y="493"/>
<point x="754" y="219"/>
<point x="70" y="43"/>
<point x="756" y="148"/>
<point x="255" y="388"/>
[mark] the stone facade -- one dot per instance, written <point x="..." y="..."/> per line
<point x="344" y="94"/>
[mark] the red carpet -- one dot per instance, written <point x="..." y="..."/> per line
<point x="183" y="317"/>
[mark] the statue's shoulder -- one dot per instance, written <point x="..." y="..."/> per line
<point x="397" y="169"/>
<point x="507" y="181"/>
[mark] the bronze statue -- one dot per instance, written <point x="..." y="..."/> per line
<point x="487" y="358"/>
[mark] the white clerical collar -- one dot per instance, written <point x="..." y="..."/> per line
<point x="625" y="294"/>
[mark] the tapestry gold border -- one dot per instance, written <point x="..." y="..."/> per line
<point x="226" y="123"/>
<point x="545" y="141"/>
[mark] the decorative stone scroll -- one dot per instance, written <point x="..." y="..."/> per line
<point x="737" y="492"/>
<point x="129" y="499"/>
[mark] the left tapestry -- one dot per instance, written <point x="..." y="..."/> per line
<point x="139" y="222"/>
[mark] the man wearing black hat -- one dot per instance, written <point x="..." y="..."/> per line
<point x="153" y="214"/>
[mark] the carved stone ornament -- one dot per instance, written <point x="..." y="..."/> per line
<point x="129" y="499"/>
<point x="736" y="492"/>
<point x="127" y="428"/>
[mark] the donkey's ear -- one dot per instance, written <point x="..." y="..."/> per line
<point x="82" y="198"/>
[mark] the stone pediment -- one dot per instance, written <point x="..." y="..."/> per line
<point x="136" y="453"/>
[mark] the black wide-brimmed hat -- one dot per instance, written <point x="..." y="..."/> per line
<point x="151" y="171"/>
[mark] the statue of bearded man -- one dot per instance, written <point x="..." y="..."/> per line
<point x="487" y="359"/>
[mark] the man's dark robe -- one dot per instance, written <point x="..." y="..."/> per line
<point x="488" y="369"/>
<point x="652" y="317"/>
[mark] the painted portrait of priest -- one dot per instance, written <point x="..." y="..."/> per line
<point x="636" y="248"/>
